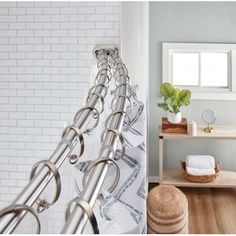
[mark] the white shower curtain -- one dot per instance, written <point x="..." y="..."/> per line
<point x="124" y="210"/>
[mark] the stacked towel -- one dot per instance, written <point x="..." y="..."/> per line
<point x="200" y="172"/>
<point x="200" y="161"/>
<point x="199" y="165"/>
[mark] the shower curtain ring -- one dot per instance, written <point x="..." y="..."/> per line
<point x="18" y="208"/>
<point x="119" y="112"/>
<point x="96" y="116"/>
<point x="117" y="59"/>
<point x="130" y="103"/>
<point x="79" y="135"/>
<point x="122" y="71"/>
<point x="100" y="54"/>
<point x="121" y="65"/>
<point x="99" y="65"/>
<point x="87" y="210"/>
<point x="127" y="79"/>
<point x="98" y="78"/>
<point x="126" y="85"/>
<point x="43" y="204"/>
<point x="109" y="148"/>
<point x="68" y="142"/>
<point x="96" y="162"/>
<point x="99" y="96"/>
<point x="98" y="85"/>
<point x="102" y="61"/>
<point x="106" y="72"/>
<point x="118" y="135"/>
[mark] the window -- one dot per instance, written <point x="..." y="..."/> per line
<point x="185" y="69"/>
<point x="208" y="70"/>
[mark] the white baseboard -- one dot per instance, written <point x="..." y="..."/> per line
<point x="153" y="179"/>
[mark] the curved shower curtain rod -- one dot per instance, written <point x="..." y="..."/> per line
<point x="76" y="218"/>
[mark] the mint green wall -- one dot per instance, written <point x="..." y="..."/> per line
<point x="205" y="22"/>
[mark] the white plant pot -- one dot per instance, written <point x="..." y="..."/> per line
<point x="174" y="118"/>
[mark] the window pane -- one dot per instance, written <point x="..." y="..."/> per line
<point x="214" y="69"/>
<point x="185" y="68"/>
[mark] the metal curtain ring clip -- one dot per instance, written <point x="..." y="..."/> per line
<point x="126" y="97"/>
<point x="87" y="210"/>
<point x="92" y="89"/>
<point x="73" y="159"/>
<point x="105" y="71"/>
<point x="126" y="85"/>
<point x="118" y="112"/>
<point x="100" y="97"/>
<point x="124" y="77"/>
<point x="79" y="135"/>
<point x="43" y="204"/>
<point x="96" y="117"/>
<point x="94" y="164"/>
<point x="118" y="135"/>
<point x="98" y="77"/>
<point x="18" y="208"/>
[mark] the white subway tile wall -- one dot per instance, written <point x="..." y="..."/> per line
<point x="45" y="64"/>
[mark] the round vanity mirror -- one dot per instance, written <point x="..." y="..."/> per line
<point x="208" y="117"/>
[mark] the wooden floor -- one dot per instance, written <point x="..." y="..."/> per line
<point x="211" y="210"/>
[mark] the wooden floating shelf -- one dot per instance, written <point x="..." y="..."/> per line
<point x="226" y="179"/>
<point x="219" y="132"/>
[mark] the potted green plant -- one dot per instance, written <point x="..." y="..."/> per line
<point x="174" y="99"/>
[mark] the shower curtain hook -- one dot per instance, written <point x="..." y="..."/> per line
<point x="43" y="204"/>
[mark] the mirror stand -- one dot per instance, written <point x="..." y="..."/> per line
<point x="208" y="129"/>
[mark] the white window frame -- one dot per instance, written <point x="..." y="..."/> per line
<point x="204" y="93"/>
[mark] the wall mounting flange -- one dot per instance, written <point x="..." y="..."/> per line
<point x="105" y="47"/>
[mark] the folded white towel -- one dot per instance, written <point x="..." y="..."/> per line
<point x="200" y="161"/>
<point x="200" y="172"/>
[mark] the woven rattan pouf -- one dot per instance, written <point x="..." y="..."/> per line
<point x="167" y="211"/>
